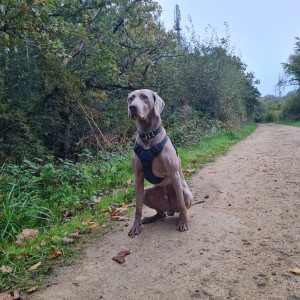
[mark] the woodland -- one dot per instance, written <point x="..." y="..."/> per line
<point x="66" y="68"/>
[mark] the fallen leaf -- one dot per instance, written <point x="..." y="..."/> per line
<point x="120" y="258"/>
<point x="93" y="225"/>
<point x="56" y="239"/>
<point x="43" y="243"/>
<point x="296" y="271"/>
<point x="33" y="289"/>
<point x="97" y="200"/>
<point x="26" y="234"/>
<point x="67" y="240"/>
<point x="120" y="218"/>
<point x="79" y="205"/>
<point x="24" y="256"/>
<point x="17" y="294"/>
<point x="54" y="254"/>
<point x="30" y="233"/>
<point x="129" y="181"/>
<point x="103" y="209"/>
<point x="47" y="268"/>
<point x="190" y="170"/>
<point x="75" y="234"/>
<point x="6" y="296"/>
<point x="123" y="208"/>
<point x="67" y="214"/>
<point x="38" y="248"/>
<point x="196" y="295"/>
<point x="113" y="213"/>
<point x="6" y="269"/>
<point x="18" y="242"/>
<point x="34" y="266"/>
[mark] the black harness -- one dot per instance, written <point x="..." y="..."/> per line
<point x="146" y="158"/>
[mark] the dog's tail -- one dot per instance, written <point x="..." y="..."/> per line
<point x="198" y="202"/>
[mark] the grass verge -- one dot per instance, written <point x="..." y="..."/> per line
<point x="296" y="123"/>
<point x="65" y="202"/>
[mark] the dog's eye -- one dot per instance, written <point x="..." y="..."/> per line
<point x="131" y="98"/>
<point x="144" y="97"/>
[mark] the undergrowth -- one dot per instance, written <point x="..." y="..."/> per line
<point x="61" y="198"/>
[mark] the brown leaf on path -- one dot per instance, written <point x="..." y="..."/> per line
<point x="190" y="170"/>
<point x="113" y="213"/>
<point x="296" y="271"/>
<point x="33" y="289"/>
<point x="196" y="296"/>
<point x="6" y="296"/>
<point x="6" y="269"/>
<point x="120" y="258"/>
<point x="43" y="243"/>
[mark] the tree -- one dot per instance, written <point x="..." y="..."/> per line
<point x="292" y="68"/>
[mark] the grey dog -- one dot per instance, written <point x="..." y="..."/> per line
<point x="155" y="158"/>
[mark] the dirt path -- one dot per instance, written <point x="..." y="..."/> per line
<point x="241" y="243"/>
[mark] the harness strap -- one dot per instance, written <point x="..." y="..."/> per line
<point x="146" y="157"/>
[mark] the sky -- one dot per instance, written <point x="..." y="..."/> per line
<point x="262" y="32"/>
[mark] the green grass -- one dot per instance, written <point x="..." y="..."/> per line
<point x="297" y="123"/>
<point x="57" y="198"/>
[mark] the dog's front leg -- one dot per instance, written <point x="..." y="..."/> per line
<point x="177" y="185"/>
<point x="139" y="192"/>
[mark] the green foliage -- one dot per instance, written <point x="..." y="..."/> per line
<point x="275" y="109"/>
<point x="35" y="195"/>
<point x="66" y="68"/>
<point x="291" y="108"/>
<point x="292" y="68"/>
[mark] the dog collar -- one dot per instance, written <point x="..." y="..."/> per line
<point x="150" y="135"/>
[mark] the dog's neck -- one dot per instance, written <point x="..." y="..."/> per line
<point x="149" y="124"/>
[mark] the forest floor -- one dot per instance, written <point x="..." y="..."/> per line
<point x="241" y="243"/>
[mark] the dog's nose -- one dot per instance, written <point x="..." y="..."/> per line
<point x="133" y="108"/>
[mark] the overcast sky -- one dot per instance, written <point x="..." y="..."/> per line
<point x="262" y="31"/>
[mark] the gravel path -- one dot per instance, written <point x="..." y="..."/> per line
<point x="241" y="243"/>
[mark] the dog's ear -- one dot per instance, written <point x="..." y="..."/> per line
<point x="159" y="104"/>
<point x="129" y="112"/>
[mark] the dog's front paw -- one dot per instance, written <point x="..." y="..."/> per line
<point x="135" y="230"/>
<point x="183" y="226"/>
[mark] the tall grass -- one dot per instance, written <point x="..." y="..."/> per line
<point x="34" y="195"/>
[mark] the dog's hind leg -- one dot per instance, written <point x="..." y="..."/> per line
<point x="156" y="198"/>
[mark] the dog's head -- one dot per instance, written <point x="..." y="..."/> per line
<point x="141" y="103"/>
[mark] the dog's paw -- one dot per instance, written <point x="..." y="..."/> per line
<point x="135" y="230"/>
<point x="183" y="226"/>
